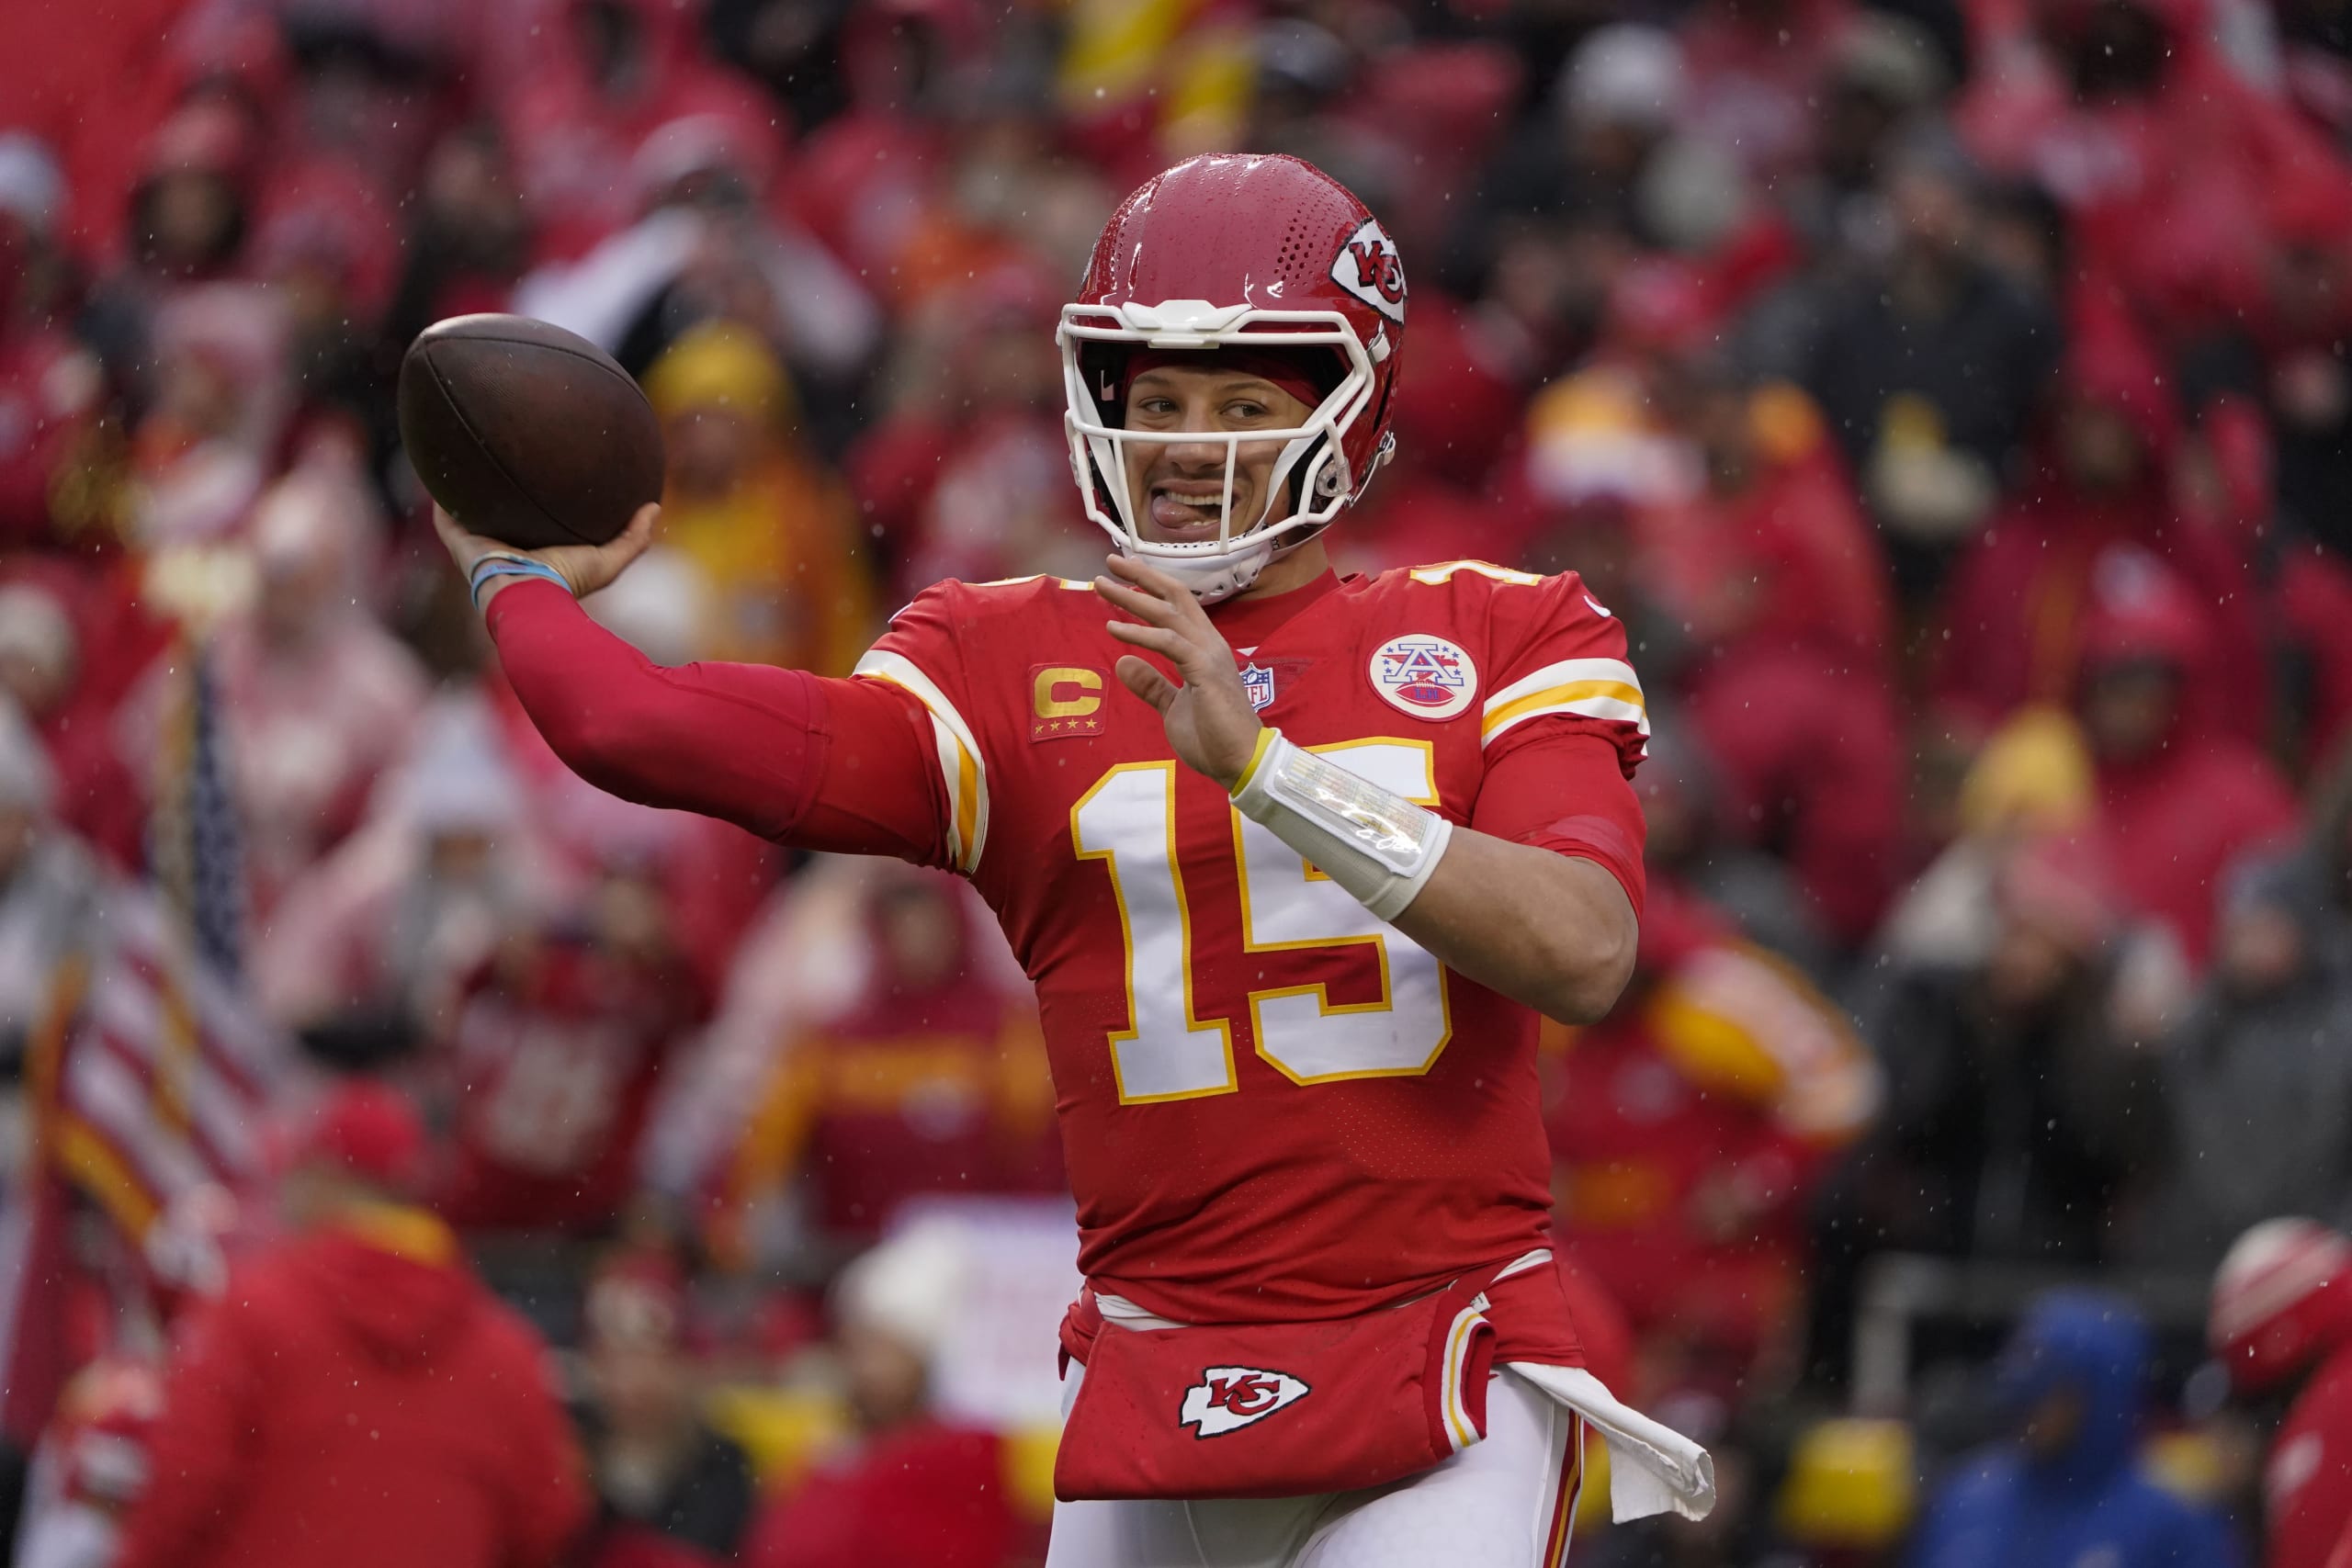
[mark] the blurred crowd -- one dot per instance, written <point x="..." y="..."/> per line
<point x="1951" y="396"/>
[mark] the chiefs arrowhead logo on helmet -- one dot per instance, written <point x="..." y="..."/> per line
<point x="1369" y="267"/>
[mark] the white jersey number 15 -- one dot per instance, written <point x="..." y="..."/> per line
<point x="1128" y="821"/>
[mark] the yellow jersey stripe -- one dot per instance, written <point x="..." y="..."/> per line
<point x="961" y="769"/>
<point x="1591" y="699"/>
<point x="1563" y="672"/>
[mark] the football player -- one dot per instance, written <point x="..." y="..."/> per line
<point x="1294" y="861"/>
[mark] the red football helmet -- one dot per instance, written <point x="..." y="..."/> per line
<point x="2281" y="1299"/>
<point x="1228" y="250"/>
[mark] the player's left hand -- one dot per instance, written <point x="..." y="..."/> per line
<point x="1210" y="723"/>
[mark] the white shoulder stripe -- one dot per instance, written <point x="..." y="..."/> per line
<point x="960" y="764"/>
<point x="1590" y="688"/>
<point x="1561" y="675"/>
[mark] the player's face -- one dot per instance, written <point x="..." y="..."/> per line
<point x="1176" y="487"/>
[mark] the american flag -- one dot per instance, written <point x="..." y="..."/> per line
<point x="193" y="837"/>
<point x="163" y="1073"/>
<point x="151" y="1076"/>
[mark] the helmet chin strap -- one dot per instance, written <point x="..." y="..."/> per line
<point x="1212" y="578"/>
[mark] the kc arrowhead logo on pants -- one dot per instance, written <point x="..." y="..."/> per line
<point x="1229" y="1397"/>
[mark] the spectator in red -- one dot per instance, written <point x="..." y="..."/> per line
<point x="2127" y="112"/>
<point x="668" y="1487"/>
<point x="2281" y="1323"/>
<point x="414" y="900"/>
<point x="317" y="698"/>
<point x="930" y="1076"/>
<point x="1755" y="73"/>
<point x="910" y="1491"/>
<point x="553" y="1054"/>
<point x="1689" y="1129"/>
<point x="2181" y="798"/>
<point x="329" y="242"/>
<point x="62" y="694"/>
<point x="1777" y="576"/>
<point x="965" y="476"/>
<point x="356" y="1399"/>
<point x="469" y="238"/>
<point x="867" y="181"/>
<point x="202" y="452"/>
<point x="191" y="212"/>
<point x="2016" y="607"/>
<point x="598" y="76"/>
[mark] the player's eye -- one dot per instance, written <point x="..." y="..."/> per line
<point x="1245" y="409"/>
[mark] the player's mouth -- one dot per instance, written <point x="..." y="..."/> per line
<point x="1181" y="511"/>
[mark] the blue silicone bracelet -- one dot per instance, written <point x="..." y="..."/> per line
<point x="510" y="566"/>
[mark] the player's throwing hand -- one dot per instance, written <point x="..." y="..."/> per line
<point x="584" y="568"/>
<point x="1211" y="727"/>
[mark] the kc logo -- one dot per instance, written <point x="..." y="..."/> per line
<point x="1369" y="267"/>
<point x="1229" y="1397"/>
<point x="1425" y="676"/>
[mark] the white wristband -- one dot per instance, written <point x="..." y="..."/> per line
<point x="1377" y="845"/>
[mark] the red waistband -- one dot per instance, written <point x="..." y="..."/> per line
<point x="1528" y="1310"/>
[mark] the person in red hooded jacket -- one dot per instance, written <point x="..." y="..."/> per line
<point x="2282" y="1311"/>
<point x="2181" y="798"/>
<point x="912" y="1487"/>
<point x="2013" y="612"/>
<point x="2131" y="115"/>
<point x="355" y="1400"/>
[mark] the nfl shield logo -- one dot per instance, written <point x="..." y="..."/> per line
<point x="1259" y="685"/>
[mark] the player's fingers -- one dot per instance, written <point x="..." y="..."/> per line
<point x="638" y="536"/>
<point x="462" y="545"/>
<point x="1169" y="645"/>
<point x="1146" y="683"/>
<point x="1141" y="606"/>
<point x="1165" y="586"/>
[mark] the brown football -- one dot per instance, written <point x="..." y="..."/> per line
<point x="525" y="433"/>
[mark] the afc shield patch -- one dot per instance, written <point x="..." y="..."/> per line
<point x="1425" y="676"/>
<point x="1369" y="267"/>
<point x="1231" y="1397"/>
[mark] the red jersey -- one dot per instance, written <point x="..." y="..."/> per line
<point x="1273" y="1105"/>
<point x="556" y="1067"/>
<point x="2307" y="1485"/>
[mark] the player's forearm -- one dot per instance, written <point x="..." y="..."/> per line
<point x="1550" y="931"/>
<point x="798" y="759"/>
<point x="736" y="742"/>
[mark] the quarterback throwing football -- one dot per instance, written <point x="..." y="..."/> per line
<point x="1294" y="861"/>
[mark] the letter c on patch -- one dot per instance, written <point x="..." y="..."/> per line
<point x="1051" y="693"/>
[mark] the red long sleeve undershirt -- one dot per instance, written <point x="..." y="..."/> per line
<point x="847" y="765"/>
<point x="799" y="759"/>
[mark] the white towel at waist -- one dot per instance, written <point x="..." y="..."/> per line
<point x="1652" y="1467"/>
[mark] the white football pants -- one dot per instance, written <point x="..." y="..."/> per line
<point x="1504" y="1503"/>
